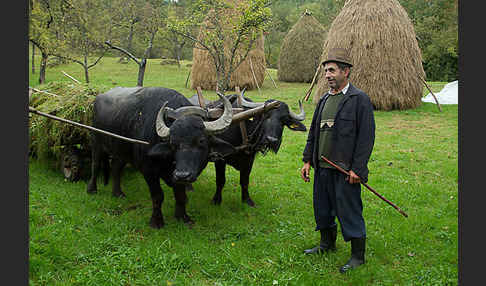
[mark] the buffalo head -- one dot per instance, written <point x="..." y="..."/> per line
<point x="190" y="140"/>
<point x="274" y="122"/>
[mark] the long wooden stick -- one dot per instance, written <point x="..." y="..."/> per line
<point x="187" y="79"/>
<point x="35" y="111"/>
<point x="266" y="70"/>
<point x="72" y="78"/>
<point x="37" y="90"/>
<point x="308" y="93"/>
<point x="435" y="98"/>
<point x="254" y="77"/>
<point x="366" y="185"/>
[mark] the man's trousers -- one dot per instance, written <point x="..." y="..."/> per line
<point x="336" y="197"/>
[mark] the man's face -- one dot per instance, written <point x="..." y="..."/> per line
<point x="336" y="78"/>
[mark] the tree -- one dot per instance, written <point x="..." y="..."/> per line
<point x="436" y="26"/>
<point x="153" y="18"/>
<point x="228" y="30"/>
<point x="41" y="25"/>
<point x="175" y="42"/>
<point x="81" y="33"/>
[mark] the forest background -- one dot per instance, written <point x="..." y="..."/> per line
<point x="130" y="24"/>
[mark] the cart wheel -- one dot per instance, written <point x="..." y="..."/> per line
<point x="70" y="166"/>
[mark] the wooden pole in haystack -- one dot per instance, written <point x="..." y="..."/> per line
<point x="435" y="98"/>
<point x="254" y="77"/>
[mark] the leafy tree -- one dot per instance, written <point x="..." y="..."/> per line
<point x="126" y="16"/>
<point x="153" y="15"/>
<point x="436" y="26"/>
<point x="228" y="30"/>
<point x="41" y="25"/>
<point x="81" y="33"/>
<point x="171" y="40"/>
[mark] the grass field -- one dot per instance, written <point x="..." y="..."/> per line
<point x="81" y="239"/>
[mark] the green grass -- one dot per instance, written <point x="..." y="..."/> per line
<point x="81" y="239"/>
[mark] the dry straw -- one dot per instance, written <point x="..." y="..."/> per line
<point x="203" y="72"/>
<point x="301" y="50"/>
<point x="383" y="49"/>
<point x="73" y="102"/>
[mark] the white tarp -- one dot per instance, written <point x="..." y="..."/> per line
<point x="448" y="94"/>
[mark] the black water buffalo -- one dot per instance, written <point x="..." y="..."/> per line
<point x="264" y="133"/>
<point x="178" y="149"/>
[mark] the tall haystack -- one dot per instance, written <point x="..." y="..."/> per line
<point x="383" y="49"/>
<point x="301" y="50"/>
<point x="203" y="72"/>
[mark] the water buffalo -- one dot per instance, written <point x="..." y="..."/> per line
<point x="178" y="149"/>
<point x="264" y="133"/>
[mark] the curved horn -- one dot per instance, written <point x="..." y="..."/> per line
<point x="162" y="129"/>
<point x="248" y="104"/>
<point x="220" y="124"/>
<point x="301" y="115"/>
<point x="186" y="110"/>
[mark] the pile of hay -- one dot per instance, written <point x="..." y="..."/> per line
<point x="73" y="102"/>
<point x="203" y="72"/>
<point x="301" y="50"/>
<point x="383" y="49"/>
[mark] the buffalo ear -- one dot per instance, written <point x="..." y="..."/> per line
<point x="160" y="150"/>
<point x="219" y="148"/>
<point x="295" y="125"/>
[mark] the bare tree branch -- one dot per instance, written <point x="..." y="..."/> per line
<point x="123" y="51"/>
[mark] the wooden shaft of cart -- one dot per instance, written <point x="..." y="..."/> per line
<point x="35" y="111"/>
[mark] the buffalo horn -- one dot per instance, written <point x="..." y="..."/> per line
<point x="222" y="123"/>
<point x="301" y="115"/>
<point x="162" y="129"/>
<point x="248" y="104"/>
<point x="186" y="110"/>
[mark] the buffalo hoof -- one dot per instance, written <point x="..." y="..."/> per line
<point x="119" y="194"/>
<point x="185" y="218"/>
<point x="156" y="222"/>
<point x="91" y="191"/>
<point x="249" y="202"/>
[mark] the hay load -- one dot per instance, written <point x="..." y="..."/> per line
<point x="301" y="50"/>
<point x="66" y="100"/>
<point x="203" y="72"/>
<point x="383" y="49"/>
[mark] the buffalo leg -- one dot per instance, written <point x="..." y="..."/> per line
<point x="117" y="168"/>
<point x="245" y="180"/>
<point x="181" y="200"/>
<point x="153" y="182"/>
<point x="96" y="154"/>
<point x="220" y="167"/>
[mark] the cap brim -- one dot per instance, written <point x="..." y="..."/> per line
<point x="328" y="61"/>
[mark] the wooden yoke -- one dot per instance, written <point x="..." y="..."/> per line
<point x="244" y="133"/>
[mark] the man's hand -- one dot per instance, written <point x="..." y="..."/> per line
<point x="305" y="172"/>
<point x="353" y="178"/>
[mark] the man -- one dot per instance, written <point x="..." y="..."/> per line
<point x="342" y="130"/>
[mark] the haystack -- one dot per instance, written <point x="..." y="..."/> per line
<point x="301" y="50"/>
<point x="383" y="49"/>
<point x="203" y="72"/>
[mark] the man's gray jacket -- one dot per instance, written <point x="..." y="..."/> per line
<point x="353" y="136"/>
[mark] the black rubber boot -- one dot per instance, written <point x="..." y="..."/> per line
<point x="358" y="246"/>
<point x="328" y="241"/>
